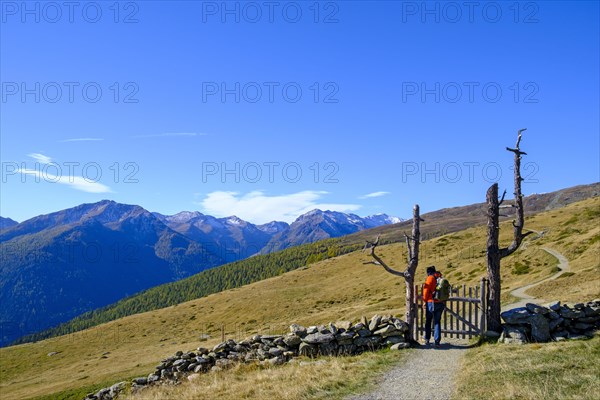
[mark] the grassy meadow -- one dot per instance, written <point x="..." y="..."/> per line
<point x="340" y="288"/>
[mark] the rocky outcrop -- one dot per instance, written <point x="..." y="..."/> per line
<point x="552" y="322"/>
<point x="344" y="338"/>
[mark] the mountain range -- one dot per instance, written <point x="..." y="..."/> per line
<point x="319" y="225"/>
<point x="57" y="266"/>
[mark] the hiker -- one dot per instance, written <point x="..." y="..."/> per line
<point x="433" y="307"/>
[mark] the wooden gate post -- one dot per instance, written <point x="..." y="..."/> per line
<point x="415" y="323"/>
<point x="483" y="304"/>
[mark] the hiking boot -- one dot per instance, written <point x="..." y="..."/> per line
<point x="437" y="345"/>
<point x="427" y="343"/>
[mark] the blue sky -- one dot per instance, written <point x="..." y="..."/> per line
<point x="265" y="113"/>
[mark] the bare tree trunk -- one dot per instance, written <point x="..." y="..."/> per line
<point x="409" y="274"/>
<point x="411" y="307"/>
<point x="412" y="243"/>
<point x="494" y="252"/>
<point x="493" y="258"/>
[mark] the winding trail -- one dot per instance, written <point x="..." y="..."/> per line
<point x="563" y="265"/>
<point x="428" y="373"/>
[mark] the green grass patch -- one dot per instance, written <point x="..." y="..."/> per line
<point x="520" y="268"/>
<point x="79" y="393"/>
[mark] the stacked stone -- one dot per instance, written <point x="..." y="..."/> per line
<point x="342" y="338"/>
<point x="553" y="322"/>
<point x="108" y="393"/>
<point x="347" y="338"/>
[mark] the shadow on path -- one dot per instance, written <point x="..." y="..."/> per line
<point x="447" y="346"/>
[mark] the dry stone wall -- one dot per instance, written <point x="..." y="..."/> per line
<point x="552" y="322"/>
<point x="342" y="338"/>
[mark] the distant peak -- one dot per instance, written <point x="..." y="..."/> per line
<point x="316" y="211"/>
<point x="6" y="222"/>
<point x="234" y="220"/>
<point x="384" y="219"/>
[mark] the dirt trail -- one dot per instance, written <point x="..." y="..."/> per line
<point x="563" y="265"/>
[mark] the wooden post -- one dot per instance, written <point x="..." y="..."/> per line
<point x="422" y="310"/>
<point x="464" y="306"/>
<point x="477" y="305"/>
<point x="471" y="319"/>
<point x="483" y="305"/>
<point x="412" y="324"/>
<point x="418" y="310"/>
<point x="445" y="324"/>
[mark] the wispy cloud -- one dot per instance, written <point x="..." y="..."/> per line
<point x="260" y="208"/>
<point x="170" y="134"/>
<point x="374" y="194"/>
<point x="85" y="139"/>
<point x="74" y="182"/>
<point x="40" y="158"/>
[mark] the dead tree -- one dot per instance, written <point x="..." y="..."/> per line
<point x="412" y="242"/>
<point x="494" y="252"/>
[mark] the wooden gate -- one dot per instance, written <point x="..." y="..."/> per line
<point x="464" y="315"/>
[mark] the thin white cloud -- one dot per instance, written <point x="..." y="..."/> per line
<point x="374" y="194"/>
<point x="85" y="139"/>
<point x="74" y="182"/>
<point x="170" y="134"/>
<point x="259" y="208"/>
<point x="40" y="158"/>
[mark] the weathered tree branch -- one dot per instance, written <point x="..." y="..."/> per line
<point x="502" y="198"/>
<point x="380" y="261"/>
<point x="516" y="151"/>
<point x="520" y="221"/>
<point x="412" y="242"/>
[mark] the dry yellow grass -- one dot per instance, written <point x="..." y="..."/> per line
<point x="575" y="232"/>
<point x="327" y="378"/>
<point x="334" y="289"/>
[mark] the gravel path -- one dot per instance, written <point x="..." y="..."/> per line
<point x="427" y="374"/>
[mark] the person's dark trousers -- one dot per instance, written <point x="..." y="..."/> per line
<point x="434" y="314"/>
